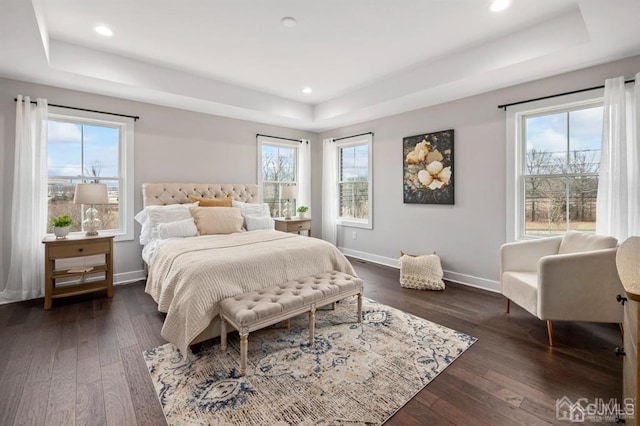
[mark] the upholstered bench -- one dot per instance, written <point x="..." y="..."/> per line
<point x="252" y="311"/>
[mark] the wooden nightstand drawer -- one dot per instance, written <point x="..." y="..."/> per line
<point x="79" y="249"/>
<point x="303" y="226"/>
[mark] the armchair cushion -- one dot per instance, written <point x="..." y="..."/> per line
<point x="522" y="288"/>
<point x="579" y="242"/>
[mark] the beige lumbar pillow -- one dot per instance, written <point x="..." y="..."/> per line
<point x="221" y="220"/>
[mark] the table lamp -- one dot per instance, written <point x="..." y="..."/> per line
<point x="289" y="192"/>
<point x="92" y="194"/>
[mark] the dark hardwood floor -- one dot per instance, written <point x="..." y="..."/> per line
<point x="81" y="362"/>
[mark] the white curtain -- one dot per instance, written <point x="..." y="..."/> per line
<point x="29" y="203"/>
<point x="304" y="174"/>
<point x="329" y="191"/>
<point x="618" y="203"/>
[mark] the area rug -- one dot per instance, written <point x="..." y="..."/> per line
<point x="356" y="373"/>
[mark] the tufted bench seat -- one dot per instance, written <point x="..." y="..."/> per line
<point x="252" y="311"/>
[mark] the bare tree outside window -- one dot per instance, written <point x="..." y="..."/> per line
<point x="279" y="166"/>
<point x="353" y="185"/>
<point x="562" y="162"/>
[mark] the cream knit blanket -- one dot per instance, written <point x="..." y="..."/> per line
<point x="189" y="277"/>
<point x="421" y="272"/>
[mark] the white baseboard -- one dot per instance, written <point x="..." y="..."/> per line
<point x="381" y="260"/>
<point x="456" y="277"/>
<point x="129" y="277"/>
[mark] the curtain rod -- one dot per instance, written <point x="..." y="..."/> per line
<point x="505" y="106"/>
<point x="353" y="136"/>
<point x="278" y="137"/>
<point x="135" y="117"/>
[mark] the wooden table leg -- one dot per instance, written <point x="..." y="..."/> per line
<point x="223" y="334"/>
<point x="312" y="325"/>
<point x="48" y="283"/>
<point x="244" y="344"/>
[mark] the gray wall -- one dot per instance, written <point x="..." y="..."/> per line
<point x="171" y="145"/>
<point x="467" y="236"/>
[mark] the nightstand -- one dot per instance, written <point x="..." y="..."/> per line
<point x="77" y="246"/>
<point x="293" y="225"/>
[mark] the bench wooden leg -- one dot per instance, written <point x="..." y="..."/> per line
<point x="244" y="344"/>
<point x="359" y="307"/>
<point x="223" y="334"/>
<point x="312" y="325"/>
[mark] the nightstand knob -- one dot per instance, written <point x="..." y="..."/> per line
<point x="620" y="351"/>
<point x="80" y="250"/>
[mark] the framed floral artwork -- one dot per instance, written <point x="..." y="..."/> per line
<point x="428" y="168"/>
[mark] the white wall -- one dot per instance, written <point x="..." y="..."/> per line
<point x="171" y="145"/>
<point x="467" y="236"/>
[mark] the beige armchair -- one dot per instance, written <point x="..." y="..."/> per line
<point x="567" y="278"/>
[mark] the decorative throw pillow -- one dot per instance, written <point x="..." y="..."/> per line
<point x="421" y="272"/>
<point x="248" y="209"/>
<point x="211" y="202"/>
<point x="255" y="223"/>
<point x="221" y="220"/>
<point x="177" y="229"/>
<point x="152" y="216"/>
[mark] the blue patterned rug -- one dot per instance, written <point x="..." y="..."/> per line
<point x="355" y="373"/>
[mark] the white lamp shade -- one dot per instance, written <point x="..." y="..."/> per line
<point x="289" y="192"/>
<point x="91" y="193"/>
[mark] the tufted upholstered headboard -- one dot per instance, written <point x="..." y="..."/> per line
<point x="162" y="194"/>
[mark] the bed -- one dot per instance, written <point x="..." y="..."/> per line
<point x="189" y="276"/>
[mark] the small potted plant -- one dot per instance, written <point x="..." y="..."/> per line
<point x="61" y="225"/>
<point x="302" y="211"/>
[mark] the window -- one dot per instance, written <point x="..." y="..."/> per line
<point x="278" y="166"/>
<point x="91" y="148"/>
<point x="354" y="181"/>
<point x="555" y="178"/>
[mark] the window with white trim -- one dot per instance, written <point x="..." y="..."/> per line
<point x="84" y="147"/>
<point x="277" y="167"/>
<point x="354" y="192"/>
<point x="554" y="181"/>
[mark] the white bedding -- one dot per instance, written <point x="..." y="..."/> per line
<point x="149" y="251"/>
<point x="188" y="277"/>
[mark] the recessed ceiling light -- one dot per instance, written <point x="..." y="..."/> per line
<point x="289" y="22"/>
<point x="499" y="5"/>
<point x="103" y="30"/>
<point x="307" y="90"/>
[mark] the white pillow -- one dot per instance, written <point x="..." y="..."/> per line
<point x="151" y="216"/>
<point x="254" y="223"/>
<point x="252" y="209"/>
<point x="177" y="229"/>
